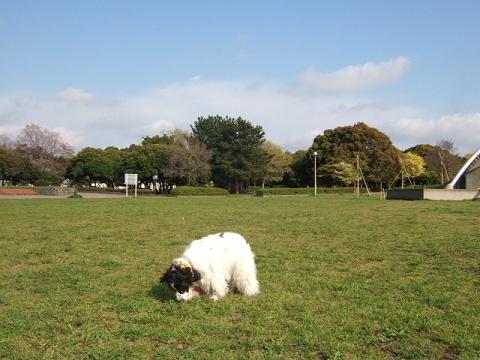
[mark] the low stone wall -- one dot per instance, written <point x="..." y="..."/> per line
<point x="54" y="190"/>
<point x="405" y="194"/>
<point x="433" y="194"/>
<point x="451" y="194"/>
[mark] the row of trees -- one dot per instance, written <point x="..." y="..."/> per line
<point x="344" y="149"/>
<point x="177" y="158"/>
<point x="230" y="153"/>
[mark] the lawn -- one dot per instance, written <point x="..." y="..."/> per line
<point x="340" y="278"/>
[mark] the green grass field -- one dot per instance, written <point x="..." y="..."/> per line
<point x="340" y="278"/>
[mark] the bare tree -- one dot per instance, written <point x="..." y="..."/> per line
<point x="188" y="159"/>
<point x="44" y="148"/>
<point x="443" y="159"/>
<point x="448" y="146"/>
<point x="451" y="162"/>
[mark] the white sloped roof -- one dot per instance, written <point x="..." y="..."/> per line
<point x="464" y="168"/>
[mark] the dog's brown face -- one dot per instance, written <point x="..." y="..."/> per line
<point x="180" y="278"/>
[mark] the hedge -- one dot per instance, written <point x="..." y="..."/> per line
<point x="10" y="186"/>
<point x="305" y="191"/>
<point x="197" y="190"/>
<point x="178" y="191"/>
<point x="421" y="186"/>
<point x="109" y="189"/>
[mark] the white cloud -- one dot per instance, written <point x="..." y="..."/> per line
<point x="10" y="130"/>
<point x="353" y="77"/>
<point x="290" y="119"/>
<point x="462" y="128"/>
<point x="159" y="127"/>
<point x="73" y="94"/>
<point x="70" y="137"/>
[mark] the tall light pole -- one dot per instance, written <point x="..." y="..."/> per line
<point x="315" y="170"/>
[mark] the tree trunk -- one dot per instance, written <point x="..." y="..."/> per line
<point x="237" y="189"/>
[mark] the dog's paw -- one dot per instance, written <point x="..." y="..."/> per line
<point x="214" y="297"/>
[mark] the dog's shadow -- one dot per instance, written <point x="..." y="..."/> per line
<point x="161" y="292"/>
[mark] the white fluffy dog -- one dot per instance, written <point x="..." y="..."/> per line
<point x="213" y="265"/>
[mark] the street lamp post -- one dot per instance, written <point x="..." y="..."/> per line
<point x="315" y="171"/>
<point x="155" y="180"/>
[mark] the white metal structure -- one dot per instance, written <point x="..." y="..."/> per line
<point x="464" y="168"/>
<point x="131" y="179"/>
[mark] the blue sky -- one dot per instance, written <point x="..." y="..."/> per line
<point x="111" y="72"/>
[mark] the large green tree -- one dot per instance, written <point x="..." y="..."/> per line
<point x="236" y="145"/>
<point x="115" y="157"/>
<point x="300" y="173"/>
<point x="96" y="165"/>
<point x="279" y="164"/>
<point x="146" y="161"/>
<point x="9" y="164"/>
<point x="379" y="159"/>
<point x="16" y="168"/>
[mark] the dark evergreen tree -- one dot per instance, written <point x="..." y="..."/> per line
<point x="238" y="157"/>
<point x="300" y="173"/>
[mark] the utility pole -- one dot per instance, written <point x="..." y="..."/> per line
<point x="443" y="168"/>
<point x="357" y="185"/>
<point x="363" y="178"/>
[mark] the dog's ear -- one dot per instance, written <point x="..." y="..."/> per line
<point x="165" y="276"/>
<point x="196" y="276"/>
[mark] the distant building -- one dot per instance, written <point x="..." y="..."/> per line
<point x="465" y="186"/>
<point x="469" y="175"/>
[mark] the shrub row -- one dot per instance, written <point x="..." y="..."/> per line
<point x="305" y="191"/>
<point x="10" y="186"/>
<point x="197" y="190"/>
<point x="430" y="186"/>
<point x="178" y="191"/>
<point x="109" y="189"/>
